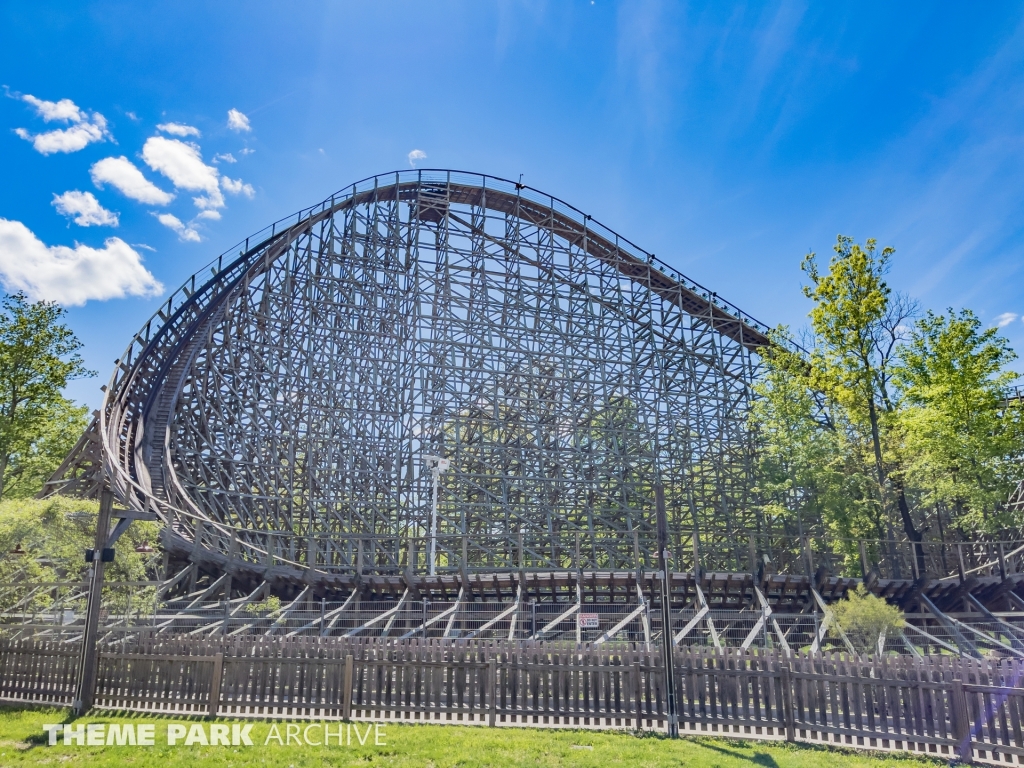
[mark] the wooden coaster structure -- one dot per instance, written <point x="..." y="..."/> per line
<point x="286" y="415"/>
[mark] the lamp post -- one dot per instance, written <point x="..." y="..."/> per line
<point x="437" y="466"/>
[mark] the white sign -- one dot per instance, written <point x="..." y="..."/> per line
<point x="589" y="621"/>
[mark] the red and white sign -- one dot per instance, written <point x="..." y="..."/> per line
<point x="589" y="621"/>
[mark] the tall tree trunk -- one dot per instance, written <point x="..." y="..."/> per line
<point x="908" y="525"/>
<point x="897" y="485"/>
<point x="5" y="459"/>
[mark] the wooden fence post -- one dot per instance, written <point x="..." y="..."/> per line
<point x="961" y="724"/>
<point x="638" y="695"/>
<point x="492" y="679"/>
<point x="215" y="680"/>
<point x="787" y="701"/>
<point x="346" y="701"/>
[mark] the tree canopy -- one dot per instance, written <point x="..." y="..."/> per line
<point x="892" y="423"/>
<point x="39" y="355"/>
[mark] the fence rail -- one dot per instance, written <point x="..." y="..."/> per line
<point x="942" y="706"/>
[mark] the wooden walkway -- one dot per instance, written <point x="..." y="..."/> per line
<point x="934" y="706"/>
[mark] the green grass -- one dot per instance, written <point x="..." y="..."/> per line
<point x="23" y="743"/>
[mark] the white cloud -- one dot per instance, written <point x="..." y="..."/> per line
<point x="85" y="209"/>
<point x="212" y="215"/>
<point x="71" y="276"/>
<point x="416" y="154"/>
<point x="184" y="166"/>
<point x="226" y="157"/>
<point x="237" y="121"/>
<point x="178" y="129"/>
<point x="126" y="178"/>
<point x="246" y="151"/>
<point x="132" y="116"/>
<point x="237" y="187"/>
<point x="64" y="110"/>
<point x="185" y="232"/>
<point x="68" y="139"/>
<point x="1005" y="319"/>
<point x="85" y="128"/>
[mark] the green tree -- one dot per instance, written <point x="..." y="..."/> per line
<point x="38" y="357"/>
<point x="32" y="466"/>
<point x="858" y="325"/>
<point x="961" y="441"/>
<point x="809" y="472"/>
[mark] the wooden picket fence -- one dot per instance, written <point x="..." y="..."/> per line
<point x="942" y="706"/>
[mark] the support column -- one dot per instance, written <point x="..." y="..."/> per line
<point x="88" y="662"/>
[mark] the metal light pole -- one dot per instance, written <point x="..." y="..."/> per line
<point x="437" y="466"/>
<point x="667" y="640"/>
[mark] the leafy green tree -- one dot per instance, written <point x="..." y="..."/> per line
<point x="962" y="443"/>
<point x="808" y="470"/>
<point x="38" y="357"/>
<point x="32" y="466"/>
<point x="858" y="325"/>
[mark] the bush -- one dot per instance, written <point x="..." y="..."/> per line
<point x="50" y="537"/>
<point x="268" y="607"/>
<point x="864" y="617"/>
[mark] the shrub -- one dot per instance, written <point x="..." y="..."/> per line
<point x="864" y="617"/>
<point x="268" y="607"/>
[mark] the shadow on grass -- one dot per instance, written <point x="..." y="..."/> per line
<point x="758" y="758"/>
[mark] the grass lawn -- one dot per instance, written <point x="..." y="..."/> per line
<point x="24" y="743"/>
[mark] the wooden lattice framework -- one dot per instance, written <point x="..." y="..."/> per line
<point x="278" y="408"/>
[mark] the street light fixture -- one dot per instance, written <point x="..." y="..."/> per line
<point x="437" y="466"/>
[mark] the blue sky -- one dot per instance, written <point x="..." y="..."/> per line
<point x="727" y="138"/>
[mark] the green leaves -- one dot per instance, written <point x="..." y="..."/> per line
<point x="865" y="617"/>
<point x="886" y="418"/>
<point x="959" y="438"/>
<point x="38" y="357"/>
<point x="53" y="535"/>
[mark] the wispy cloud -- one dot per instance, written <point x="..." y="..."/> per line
<point x="415" y="156"/>
<point x="642" y="50"/>
<point x="237" y="187"/>
<point x="178" y="129"/>
<point x="185" y="232"/>
<point x="1005" y="319"/>
<point x="71" y="275"/>
<point x="238" y="121"/>
<point x="956" y="179"/>
<point x="122" y="174"/>
<point x="84" y="209"/>
<point x="85" y="127"/>
<point x="225" y="157"/>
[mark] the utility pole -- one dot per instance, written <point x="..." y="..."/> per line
<point x="666" y="613"/>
